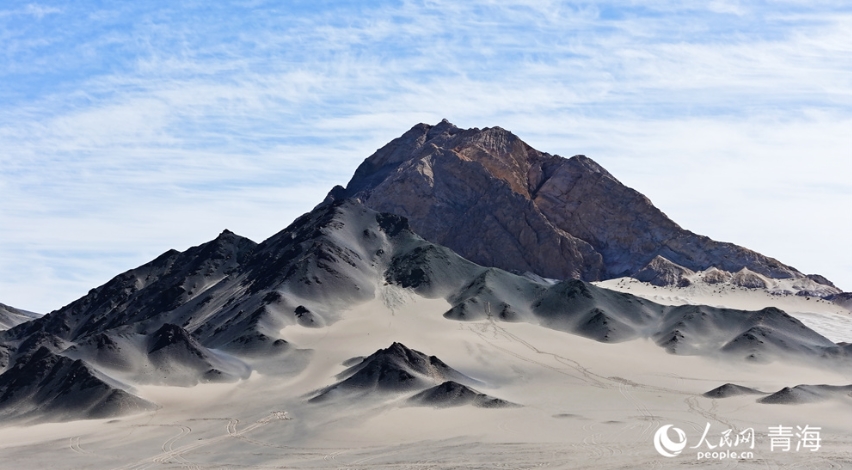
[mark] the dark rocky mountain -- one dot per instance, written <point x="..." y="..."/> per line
<point x="394" y="369"/>
<point x="214" y="312"/>
<point x="168" y="356"/>
<point x="496" y="201"/>
<point x="234" y="294"/>
<point x="44" y="384"/>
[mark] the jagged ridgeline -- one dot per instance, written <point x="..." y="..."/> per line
<point x="214" y="312"/>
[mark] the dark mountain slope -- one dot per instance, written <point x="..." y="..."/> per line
<point x="451" y="393"/>
<point x="232" y="294"/>
<point x="148" y="294"/>
<point x="63" y="389"/>
<point x="394" y="369"/>
<point x="214" y="311"/>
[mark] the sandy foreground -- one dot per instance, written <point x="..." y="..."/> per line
<point x="584" y="405"/>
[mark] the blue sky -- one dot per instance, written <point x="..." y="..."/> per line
<point x="128" y="128"/>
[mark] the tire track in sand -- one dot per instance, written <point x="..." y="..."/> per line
<point x="170" y="453"/>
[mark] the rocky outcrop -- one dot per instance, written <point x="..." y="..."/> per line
<point x="820" y="280"/>
<point x="813" y="286"/>
<point x="662" y="272"/>
<point x="498" y="202"/>
<point x="844" y="299"/>
<point x="748" y="279"/>
<point x="716" y="276"/>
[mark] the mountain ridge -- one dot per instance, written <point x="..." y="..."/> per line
<point x="217" y="311"/>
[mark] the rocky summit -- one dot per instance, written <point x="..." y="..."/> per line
<point x="496" y="201"/>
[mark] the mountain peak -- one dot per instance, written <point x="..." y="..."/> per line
<point x="495" y="200"/>
<point x="443" y="127"/>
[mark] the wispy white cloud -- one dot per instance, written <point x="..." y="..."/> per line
<point x="143" y="127"/>
<point x="40" y="11"/>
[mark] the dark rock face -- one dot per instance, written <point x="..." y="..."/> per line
<point x="498" y="202"/>
<point x="449" y="194"/>
<point x="662" y="272"/>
